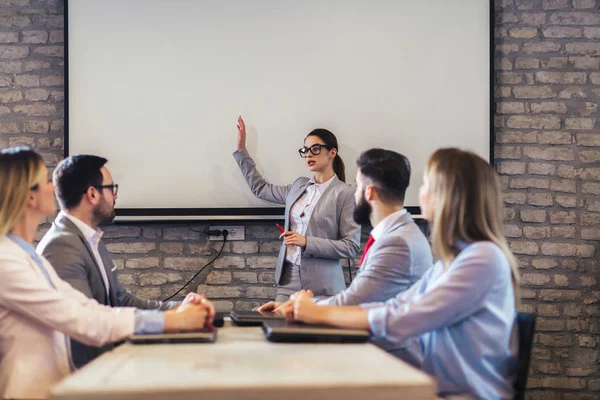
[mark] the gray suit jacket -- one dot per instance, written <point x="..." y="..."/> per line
<point x="331" y="235"/>
<point x="71" y="256"/>
<point x="393" y="263"/>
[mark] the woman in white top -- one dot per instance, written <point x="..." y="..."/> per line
<point x="38" y="310"/>
<point x="319" y="224"/>
<point x="463" y="309"/>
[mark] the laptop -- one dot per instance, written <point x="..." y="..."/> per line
<point x="254" y="318"/>
<point x="298" y="332"/>
<point x="201" y="336"/>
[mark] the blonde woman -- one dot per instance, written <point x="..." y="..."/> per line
<point x="463" y="309"/>
<point x="39" y="311"/>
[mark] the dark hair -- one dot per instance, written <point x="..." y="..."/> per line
<point x="330" y="141"/>
<point x="389" y="171"/>
<point x="73" y="177"/>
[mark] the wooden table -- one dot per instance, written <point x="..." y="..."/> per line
<point x="243" y="365"/>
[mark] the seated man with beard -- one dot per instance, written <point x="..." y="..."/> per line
<point x="397" y="253"/>
<point x="86" y="194"/>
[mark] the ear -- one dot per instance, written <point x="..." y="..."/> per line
<point x="333" y="153"/>
<point x="31" y="200"/>
<point x="370" y="193"/>
<point x="91" y="195"/>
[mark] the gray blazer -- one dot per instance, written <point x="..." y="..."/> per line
<point x="393" y="263"/>
<point x="71" y="256"/>
<point x="331" y="235"/>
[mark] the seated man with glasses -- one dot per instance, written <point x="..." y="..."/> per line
<point x="87" y="194"/>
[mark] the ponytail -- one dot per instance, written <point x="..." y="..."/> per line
<point x="339" y="168"/>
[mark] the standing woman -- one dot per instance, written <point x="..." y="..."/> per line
<point x="319" y="225"/>
<point x="38" y="310"/>
<point x="463" y="309"/>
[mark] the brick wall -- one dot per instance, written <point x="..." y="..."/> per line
<point x="547" y="148"/>
<point x="548" y="153"/>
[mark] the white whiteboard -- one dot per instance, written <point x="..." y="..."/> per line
<point x="156" y="87"/>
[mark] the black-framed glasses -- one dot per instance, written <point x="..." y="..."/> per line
<point x="315" y="149"/>
<point x="113" y="187"/>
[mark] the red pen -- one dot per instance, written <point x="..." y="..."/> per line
<point x="279" y="228"/>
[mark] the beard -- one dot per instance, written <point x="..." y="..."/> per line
<point x="362" y="211"/>
<point x="104" y="213"/>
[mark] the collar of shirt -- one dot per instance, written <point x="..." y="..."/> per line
<point x="92" y="235"/>
<point x="385" y="223"/>
<point x="324" y="185"/>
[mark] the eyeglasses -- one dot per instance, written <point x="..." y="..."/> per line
<point x="315" y="149"/>
<point x="113" y="187"/>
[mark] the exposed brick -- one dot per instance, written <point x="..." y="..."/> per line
<point x="584" y="3"/>
<point x="561" y="280"/>
<point x="35" y="37"/>
<point x="153" y="279"/>
<point x="266" y="262"/>
<point x="126" y="279"/>
<point x="564" y="383"/>
<point x="540" y="199"/>
<point x="246" y="277"/>
<point x="260" y="292"/>
<point x="244" y="247"/>
<point x="510" y="108"/>
<point x="142" y="263"/>
<point x="560" y="77"/>
<point x="37" y="94"/>
<point x="510" y="78"/>
<point x="555" y="340"/>
<point x="57" y="37"/>
<point x="559" y="249"/>
<point x="27" y="80"/>
<point x="180" y="234"/>
<point x="529" y="248"/>
<point x="50" y="51"/>
<point x="544" y="263"/>
<point x="130" y="248"/>
<point x="541" y="354"/>
<point x="52" y="80"/>
<point x="562" y="32"/>
<point x="512" y="231"/>
<point x="534" y="19"/>
<point x="511" y="152"/>
<point x="205" y="249"/>
<point x="562" y="217"/>
<point x="185" y="263"/>
<point x="218" y="278"/>
<point x="536" y="232"/>
<point x="36" y="126"/>
<point x="580" y="371"/>
<point x="547" y="324"/>
<point x="220" y="292"/>
<point x="549" y="107"/>
<point x="549" y="368"/>
<point x="534" y="92"/>
<point x="507" y="48"/>
<point x="171" y="248"/>
<point x="589" y="156"/>
<point x="511" y="167"/>
<point x="514" y="198"/>
<point x="572" y="92"/>
<point x="534" y="279"/>
<point x="36" y="109"/>
<point x="523" y="32"/>
<point x="564" y="232"/>
<point x="266" y="277"/>
<point x="591" y="32"/>
<point x="554" y="4"/>
<point x="590" y="233"/>
<point x="541" y="169"/>
<point x="580" y="123"/>
<point x="589" y="219"/>
<point x="533" y="121"/>
<point x="587" y="281"/>
<point x="583" y="48"/>
<point x="527" y="63"/>
<point x="585" y="62"/>
<point x="563" y="185"/>
<point x="10" y="96"/>
<point x="519" y="183"/>
<point x="230" y="262"/>
<point x="13" y="52"/>
<point x="585" y="250"/>
<point x="223" y="305"/>
<point x="541" y="47"/>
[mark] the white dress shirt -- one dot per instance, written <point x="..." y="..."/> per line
<point x="93" y="237"/>
<point x="385" y="223"/>
<point x="300" y="215"/>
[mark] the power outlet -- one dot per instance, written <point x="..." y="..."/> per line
<point x="235" y="233"/>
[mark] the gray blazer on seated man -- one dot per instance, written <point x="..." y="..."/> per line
<point x="73" y="245"/>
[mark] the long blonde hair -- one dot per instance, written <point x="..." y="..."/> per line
<point x="468" y="205"/>
<point x="20" y="171"/>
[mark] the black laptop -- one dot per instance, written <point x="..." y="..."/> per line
<point x="201" y="336"/>
<point x="254" y="318"/>
<point x="297" y="332"/>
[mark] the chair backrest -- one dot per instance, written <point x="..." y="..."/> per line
<point x="526" y="326"/>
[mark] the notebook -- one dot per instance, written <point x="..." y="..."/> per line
<point x="297" y="332"/>
<point x="253" y="318"/>
<point x="202" y="336"/>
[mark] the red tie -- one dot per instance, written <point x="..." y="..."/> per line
<point x="367" y="246"/>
